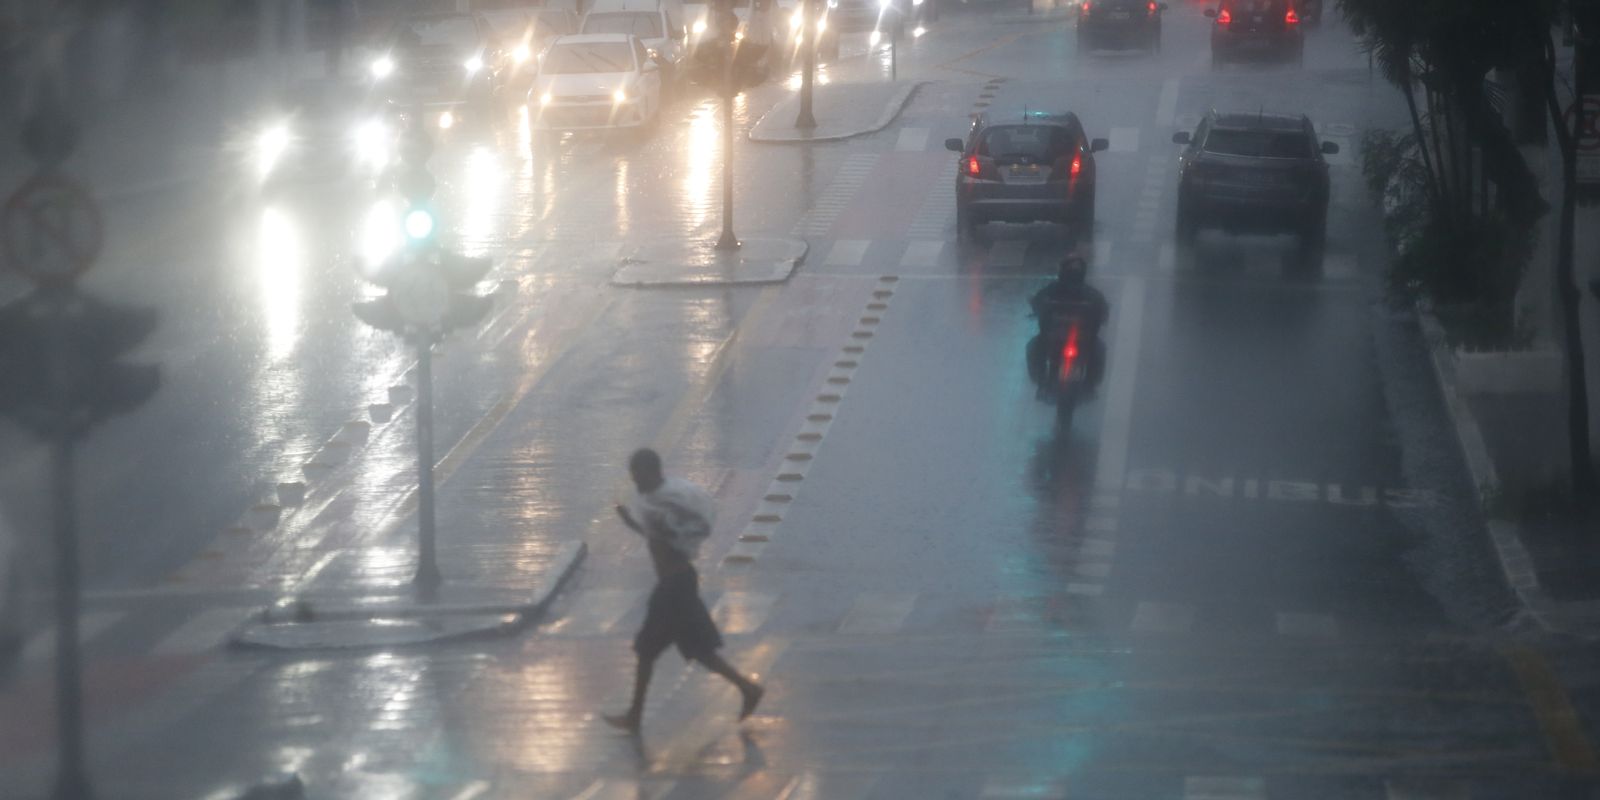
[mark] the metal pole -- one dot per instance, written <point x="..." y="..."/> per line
<point x="894" y="48"/>
<point x="808" y="43"/>
<point x="727" y="241"/>
<point x="72" y="780"/>
<point x="428" y="578"/>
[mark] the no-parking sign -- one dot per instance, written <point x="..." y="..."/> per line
<point x="1583" y="119"/>
<point x="50" y="229"/>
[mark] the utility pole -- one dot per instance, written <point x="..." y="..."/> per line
<point x="730" y="89"/>
<point x="808" y="44"/>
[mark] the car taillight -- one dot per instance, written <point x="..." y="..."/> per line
<point x="1291" y="18"/>
<point x="1084" y="8"/>
<point x="1224" y="18"/>
<point x="1152" y="6"/>
<point x="973" y="167"/>
<point x="1077" y="164"/>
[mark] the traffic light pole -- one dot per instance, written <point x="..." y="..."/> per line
<point x="728" y="241"/>
<point x="72" y="779"/>
<point x="428" y="578"/>
<point x="808" y="43"/>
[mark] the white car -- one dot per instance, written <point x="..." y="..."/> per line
<point x="659" y="24"/>
<point x="596" y="81"/>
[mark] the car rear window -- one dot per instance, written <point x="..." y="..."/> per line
<point x="1258" y="144"/>
<point x="643" y="24"/>
<point x="1256" y="6"/>
<point x="578" y="59"/>
<point x="1032" y="144"/>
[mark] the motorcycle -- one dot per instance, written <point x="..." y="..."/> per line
<point x="1063" y="377"/>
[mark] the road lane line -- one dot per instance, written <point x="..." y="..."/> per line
<point x="472" y="791"/>
<point x="878" y="613"/>
<point x="1111" y="463"/>
<point x="846" y="253"/>
<point x="1124" y="140"/>
<point x="1102" y="254"/>
<point x="742" y="612"/>
<point x="202" y="631"/>
<point x="998" y="787"/>
<point x="923" y="253"/>
<point x="1163" y="618"/>
<point x="1167" y="103"/>
<point x="1563" y="731"/>
<point x="912" y="140"/>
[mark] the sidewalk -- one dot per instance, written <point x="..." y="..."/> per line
<point x="842" y="111"/>
<point x="1515" y="449"/>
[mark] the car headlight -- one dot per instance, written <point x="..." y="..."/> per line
<point x="270" y="147"/>
<point x="372" y="143"/>
<point x="544" y="99"/>
<point x="822" y="24"/>
<point x="521" y="53"/>
<point x="382" y="67"/>
<point x="619" y="96"/>
<point x="885" y="4"/>
<point x="797" y="20"/>
<point x="473" y="65"/>
<point x="874" y="38"/>
<point x="447" y="120"/>
<point x="699" y="26"/>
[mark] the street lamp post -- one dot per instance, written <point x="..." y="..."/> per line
<point x="728" y="241"/>
<point x="808" y="44"/>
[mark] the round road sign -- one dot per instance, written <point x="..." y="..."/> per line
<point x="51" y="229"/>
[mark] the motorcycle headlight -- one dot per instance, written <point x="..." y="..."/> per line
<point x="371" y="139"/>
<point x="382" y="67"/>
<point x="699" y="26"/>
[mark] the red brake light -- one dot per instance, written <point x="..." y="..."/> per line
<point x="1069" y="352"/>
<point x="1224" y="17"/>
<point x="1084" y="7"/>
<point x="973" y="167"/>
<point x="1291" y="18"/>
<point x="1077" y="163"/>
<point x="1152" y="7"/>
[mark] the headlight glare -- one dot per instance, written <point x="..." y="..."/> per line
<point x="619" y="96"/>
<point x="270" y="147"/>
<point x="473" y="65"/>
<point x="382" y="67"/>
<point x="521" y="53"/>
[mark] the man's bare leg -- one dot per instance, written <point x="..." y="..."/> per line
<point x="630" y="720"/>
<point x="751" y="691"/>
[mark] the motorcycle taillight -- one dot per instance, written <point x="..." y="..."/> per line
<point x="1069" y="352"/>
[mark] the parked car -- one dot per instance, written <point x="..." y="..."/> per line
<point x="597" y="81"/>
<point x="1025" y="167"/>
<point x="1253" y="172"/>
<point x="1269" y="28"/>
<point x="1120" y="23"/>
<point x="523" y="33"/>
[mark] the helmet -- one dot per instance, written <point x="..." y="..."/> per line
<point x="1073" y="270"/>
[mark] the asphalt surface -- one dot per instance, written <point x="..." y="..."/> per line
<point x="1250" y="569"/>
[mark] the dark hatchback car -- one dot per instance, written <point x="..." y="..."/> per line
<point x="1268" y="28"/>
<point x="1028" y="167"/>
<point x="1253" y="173"/>
<point x="1120" y="23"/>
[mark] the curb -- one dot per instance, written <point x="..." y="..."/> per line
<point x="1505" y="535"/>
<point x="896" y="104"/>
<point x="291" y="612"/>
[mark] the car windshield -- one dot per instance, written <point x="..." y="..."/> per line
<point x="453" y="32"/>
<point x="643" y="24"/>
<point x="508" y="23"/>
<point x="1258" y="144"/>
<point x="1025" y="144"/>
<point x="554" y="22"/>
<point x="578" y="59"/>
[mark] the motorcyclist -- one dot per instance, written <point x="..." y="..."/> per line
<point x="1069" y="297"/>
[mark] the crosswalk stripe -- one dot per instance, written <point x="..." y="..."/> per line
<point x="90" y="625"/>
<point x="1008" y="253"/>
<point x="1167" y="261"/>
<point x="1167" y="103"/>
<point x="1001" y="788"/>
<point x="883" y="612"/>
<point x="202" y="631"/>
<point x="912" y="139"/>
<point x="597" y="612"/>
<point x="1102" y="253"/>
<point x="922" y="253"/>
<point x="742" y="612"/>
<point x="1163" y="618"/>
<point x="847" y="253"/>
<point x="1224" y="788"/>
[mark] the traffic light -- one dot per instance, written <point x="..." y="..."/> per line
<point x="59" y="351"/>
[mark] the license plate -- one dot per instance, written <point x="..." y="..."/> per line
<point x="1120" y="15"/>
<point x="1028" y="174"/>
<point x="1258" y="178"/>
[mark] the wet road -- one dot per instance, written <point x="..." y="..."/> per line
<point x="1249" y="570"/>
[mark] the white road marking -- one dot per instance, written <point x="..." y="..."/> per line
<point x="1167" y="103"/>
<point x="1124" y="140"/>
<point x="1008" y="253"/>
<point x="1307" y="626"/>
<point x="90" y="625"/>
<point x="742" y="612"/>
<point x="1167" y="259"/>
<point x="1100" y="524"/>
<point x="1001" y="788"/>
<point x="912" y="139"/>
<point x="1163" y="618"/>
<point x="202" y="631"/>
<point x="597" y="612"/>
<point x="847" y="253"/>
<point x="1098" y="547"/>
<point x="1224" y="788"/>
<point x="472" y="791"/>
<point x="879" y="613"/>
<point x="1117" y="422"/>
<point x="1102" y="253"/>
<point x="1097" y="569"/>
<point x="922" y="253"/>
<point x="1087" y="589"/>
<point x="622" y="789"/>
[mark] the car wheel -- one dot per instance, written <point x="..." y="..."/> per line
<point x="965" y="225"/>
<point x="1188" y="227"/>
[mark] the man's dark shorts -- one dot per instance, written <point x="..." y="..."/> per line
<point x="677" y="616"/>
